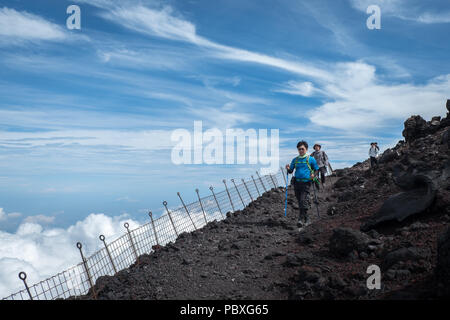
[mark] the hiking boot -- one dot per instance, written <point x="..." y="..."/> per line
<point x="307" y="221"/>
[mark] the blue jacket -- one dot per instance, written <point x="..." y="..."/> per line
<point x="302" y="171"/>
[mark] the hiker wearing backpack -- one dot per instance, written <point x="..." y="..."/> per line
<point x="322" y="161"/>
<point x="373" y="153"/>
<point x="305" y="168"/>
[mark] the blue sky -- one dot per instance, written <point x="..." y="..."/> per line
<point x="86" y="115"/>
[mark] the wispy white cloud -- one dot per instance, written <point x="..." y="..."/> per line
<point x="161" y="58"/>
<point x="39" y="219"/>
<point x="356" y="92"/>
<point x="4" y="216"/>
<point x="358" y="100"/>
<point x="161" y="23"/>
<point x="59" y="190"/>
<point x="139" y="140"/>
<point x="213" y="80"/>
<point x="374" y="105"/>
<point x="21" y="26"/>
<point x="28" y="26"/>
<point x="164" y="23"/>
<point x="388" y="7"/>
<point x="410" y="10"/>
<point x="225" y="117"/>
<point x="186" y="94"/>
<point x="305" y="89"/>
<point x="442" y="17"/>
<point x="126" y="199"/>
<point x="390" y="67"/>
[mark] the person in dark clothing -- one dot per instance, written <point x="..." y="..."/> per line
<point x="305" y="168"/>
<point x="322" y="161"/>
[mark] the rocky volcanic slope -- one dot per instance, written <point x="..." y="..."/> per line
<point x="402" y="209"/>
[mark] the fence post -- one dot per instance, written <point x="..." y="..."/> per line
<point x="284" y="176"/>
<point x="79" y="246"/>
<point x="271" y="178"/>
<point x="185" y="208"/>
<point x="243" y="204"/>
<point x="23" y="276"/>
<point x="201" y="205"/>
<point x="126" y="225"/>
<point x="275" y="176"/>
<point x="243" y="181"/>
<point x="102" y="238"/>
<point x="259" y="194"/>
<point x="214" y="195"/>
<point x="260" y="180"/>
<point x="153" y="225"/>
<point x="229" y="197"/>
<point x="170" y="217"/>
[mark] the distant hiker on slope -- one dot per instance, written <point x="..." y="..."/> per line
<point x="373" y="153"/>
<point x="305" y="167"/>
<point x="322" y="161"/>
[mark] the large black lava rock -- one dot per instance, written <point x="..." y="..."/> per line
<point x="388" y="156"/>
<point x="344" y="240"/>
<point x="404" y="204"/>
<point x="415" y="127"/>
<point x="343" y="182"/>
<point x="405" y="254"/>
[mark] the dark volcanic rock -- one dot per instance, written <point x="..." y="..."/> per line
<point x="405" y="254"/>
<point x="346" y="240"/>
<point x="345" y="196"/>
<point x="442" y="271"/>
<point x="446" y="137"/>
<point x="298" y="259"/>
<point x="343" y="182"/>
<point x="388" y="156"/>
<point x="305" y="238"/>
<point x="415" y="127"/>
<point x="404" y="204"/>
<point x="331" y="211"/>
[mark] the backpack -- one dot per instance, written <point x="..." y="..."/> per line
<point x="295" y="165"/>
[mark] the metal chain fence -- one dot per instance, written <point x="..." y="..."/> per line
<point x="124" y="251"/>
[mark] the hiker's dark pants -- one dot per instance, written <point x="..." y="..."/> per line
<point x="302" y="194"/>
<point x="373" y="162"/>
<point x="322" y="172"/>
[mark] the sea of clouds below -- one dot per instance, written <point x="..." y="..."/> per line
<point x="43" y="252"/>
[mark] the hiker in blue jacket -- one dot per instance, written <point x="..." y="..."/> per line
<point x="305" y="168"/>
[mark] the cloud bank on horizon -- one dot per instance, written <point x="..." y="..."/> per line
<point x="88" y="114"/>
<point x="44" y="252"/>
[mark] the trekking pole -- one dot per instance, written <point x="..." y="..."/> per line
<point x="285" y="203"/>
<point x="315" y="198"/>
